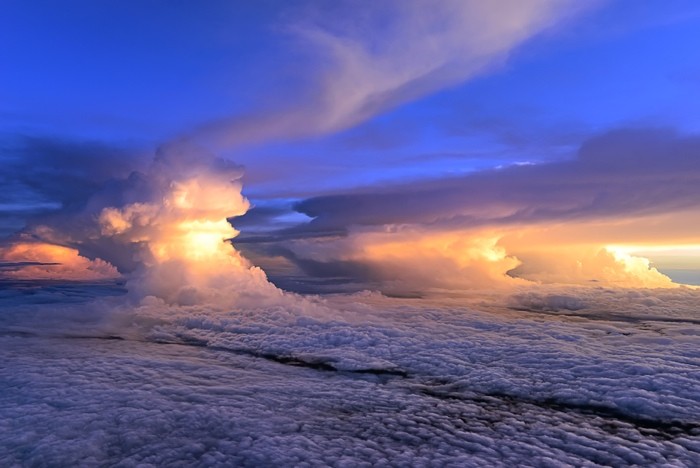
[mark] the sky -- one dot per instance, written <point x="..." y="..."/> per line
<point x="373" y="140"/>
<point x="349" y="233"/>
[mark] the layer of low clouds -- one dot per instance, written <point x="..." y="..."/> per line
<point x="546" y="375"/>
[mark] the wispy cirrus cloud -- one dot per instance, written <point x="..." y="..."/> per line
<point x="360" y="62"/>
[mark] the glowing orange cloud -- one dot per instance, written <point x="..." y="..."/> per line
<point x="182" y="237"/>
<point x="451" y="259"/>
<point x="188" y="224"/>
<point x="414" y="258"/>
<point x="588" y="264"/>
<point x="54" y="262"/>
<point x="621" y="252"/>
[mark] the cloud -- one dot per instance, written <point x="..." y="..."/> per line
<point x="576" y="264"/>
<point x="463" y="381"/>
<point x="620" y="172"/>
<point x="165" y="228"/>
<point x="360" y="63"/>
<point x="232" y="369"/>
<point x="354" y="71"/>
<point x="44" y="175"/>
<point x="42" y="261"/>
<point x="555" y="220"/>
<point x="61" y="170"/>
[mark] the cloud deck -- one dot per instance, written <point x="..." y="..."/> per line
<point x="356" y="380"/>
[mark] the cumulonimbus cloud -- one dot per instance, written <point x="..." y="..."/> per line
<point x="165" y="228"/>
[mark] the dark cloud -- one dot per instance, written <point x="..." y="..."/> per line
<point x="43" y="175"/>
<point x="619" y="173"/>
<point x="305" y="275"/>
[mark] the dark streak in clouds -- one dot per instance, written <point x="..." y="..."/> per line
<point x="289" y="360"/>
<point x="610" y="316"/>
<point x="667" y="429"/>
<point x="285" y="359"/>
<point x="15" y="265"/>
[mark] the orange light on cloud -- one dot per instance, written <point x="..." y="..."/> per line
<point x="197" y="241"/>
<point x="672" y="256"/>
<point x="418" y="258"/>
<point x="181" y="235"/>
<point x="53" y="262"/>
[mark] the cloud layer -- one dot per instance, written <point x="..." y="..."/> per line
<point x="554" y="221"/>
<point x="546" y="375"/>
<point x="630" y="172"/>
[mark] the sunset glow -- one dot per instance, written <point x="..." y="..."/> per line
<point x="48" y="261"/>
<point x="201" y="239"/>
